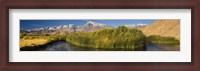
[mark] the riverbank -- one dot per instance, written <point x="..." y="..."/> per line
<point x="120" y="38"/>
<point x="38" y="47"/>
<point x="31" y="42"/>
<point x="66" y="46"/>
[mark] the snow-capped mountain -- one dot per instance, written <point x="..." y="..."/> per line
<point x="92" y="26"/>
<point x="53" y="28"/>
<point x="65" y="29"/>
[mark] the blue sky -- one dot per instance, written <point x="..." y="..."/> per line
<point x="30" y="24"/>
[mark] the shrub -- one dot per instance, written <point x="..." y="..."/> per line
<point x="162" y="40"/>
<point x="120" y="37"/>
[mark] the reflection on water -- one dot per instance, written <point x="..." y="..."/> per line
<point x="64" y="46"/>
<point x="58" y="46"/>
<point x="163" y="47"/>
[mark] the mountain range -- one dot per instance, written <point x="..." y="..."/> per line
<point x="90" y="26"/>
<point x="161" y="27"/>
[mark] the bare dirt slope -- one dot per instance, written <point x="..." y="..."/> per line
<point x="164" y="28"/>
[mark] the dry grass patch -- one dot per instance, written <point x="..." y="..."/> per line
<point x="32" y="42"/>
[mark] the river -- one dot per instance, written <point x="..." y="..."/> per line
<point x="65" y="46"/>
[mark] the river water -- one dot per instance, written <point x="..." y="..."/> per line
<point x="65" y="46"/>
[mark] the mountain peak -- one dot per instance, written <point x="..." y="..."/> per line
<point x="92" y="26"/>
<point x="71" y="26"/>
<point x="91" y="23"/>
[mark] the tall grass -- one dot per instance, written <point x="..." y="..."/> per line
<point x="32" y="42"/>
<point x="157" y="39"/>
<point x="28" y="40"/>
<point x="120" y="37"/>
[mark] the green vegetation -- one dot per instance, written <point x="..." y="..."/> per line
<point x="29" y="40"/>
<point x="117" y="38"/>
<point x="162" y="40"/>
<point x="120" y="37"/>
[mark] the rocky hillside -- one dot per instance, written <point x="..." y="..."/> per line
<point x="163" y="28"/>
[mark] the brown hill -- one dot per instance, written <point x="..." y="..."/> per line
<point x="163" y="28"/>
